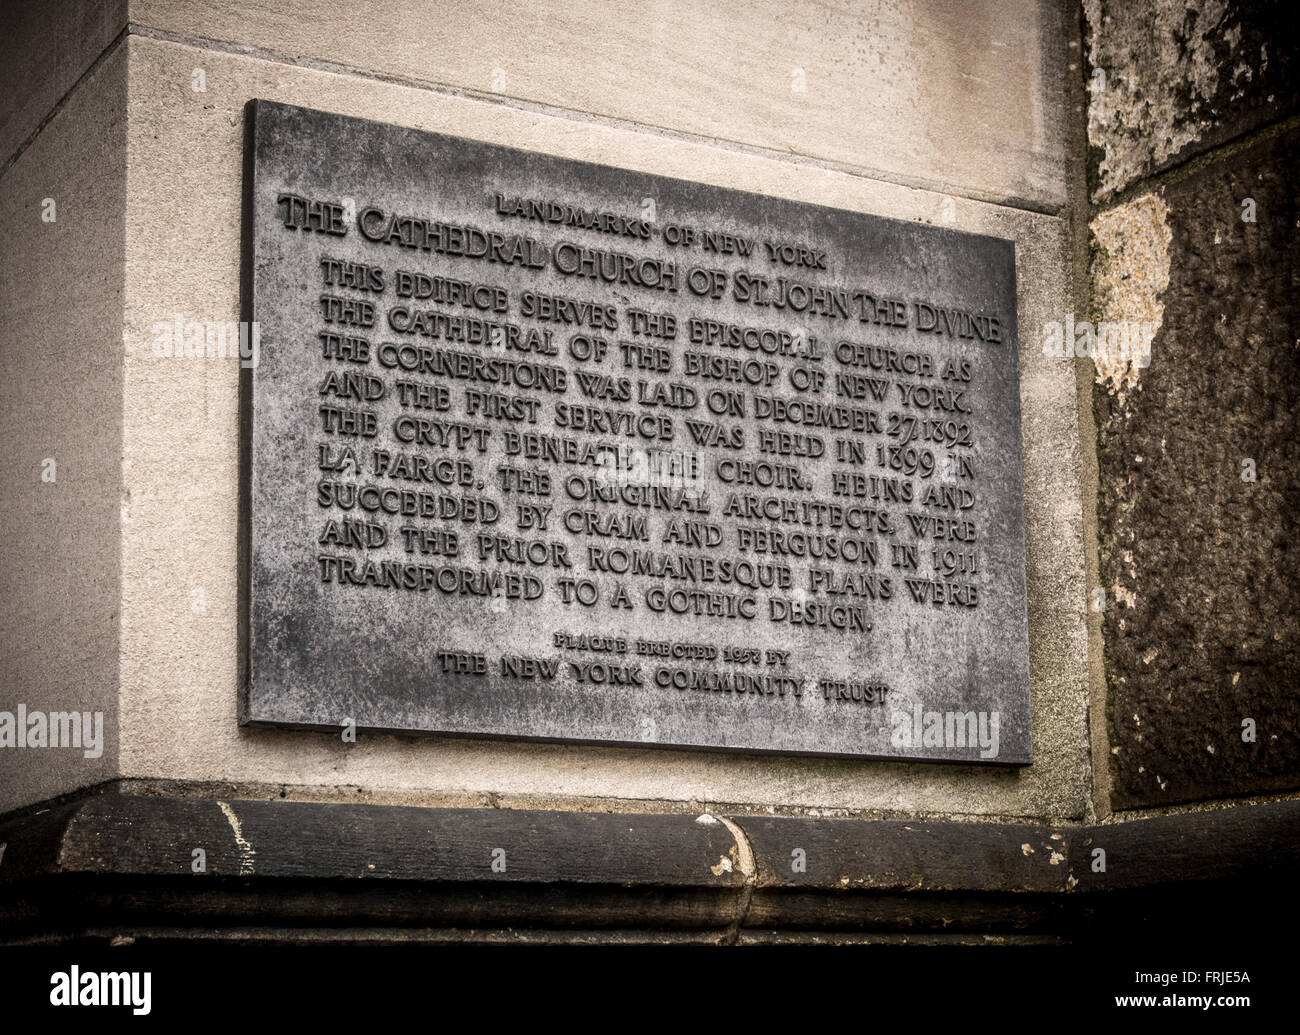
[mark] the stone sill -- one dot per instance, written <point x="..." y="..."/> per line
<point x="110" y="864"/>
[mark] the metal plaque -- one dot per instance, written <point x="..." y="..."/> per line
<point x="534" y="448"/>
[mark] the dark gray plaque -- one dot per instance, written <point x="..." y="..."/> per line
<point x="541" y="449"/>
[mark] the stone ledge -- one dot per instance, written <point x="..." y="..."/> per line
<point x="114" y="864"/>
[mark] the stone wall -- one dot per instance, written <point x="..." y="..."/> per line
<point x="934" y="112"/>
<point x="63" y="214"/>
<point x="1193" y="137"/>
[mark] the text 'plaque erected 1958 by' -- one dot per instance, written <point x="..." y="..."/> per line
<point x="535" y="448"/>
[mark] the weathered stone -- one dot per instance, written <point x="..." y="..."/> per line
<point x="1170" y="79"/>
<point x="1199" y="458"/>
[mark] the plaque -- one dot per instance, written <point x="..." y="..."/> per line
<point x="540" y="449"/>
